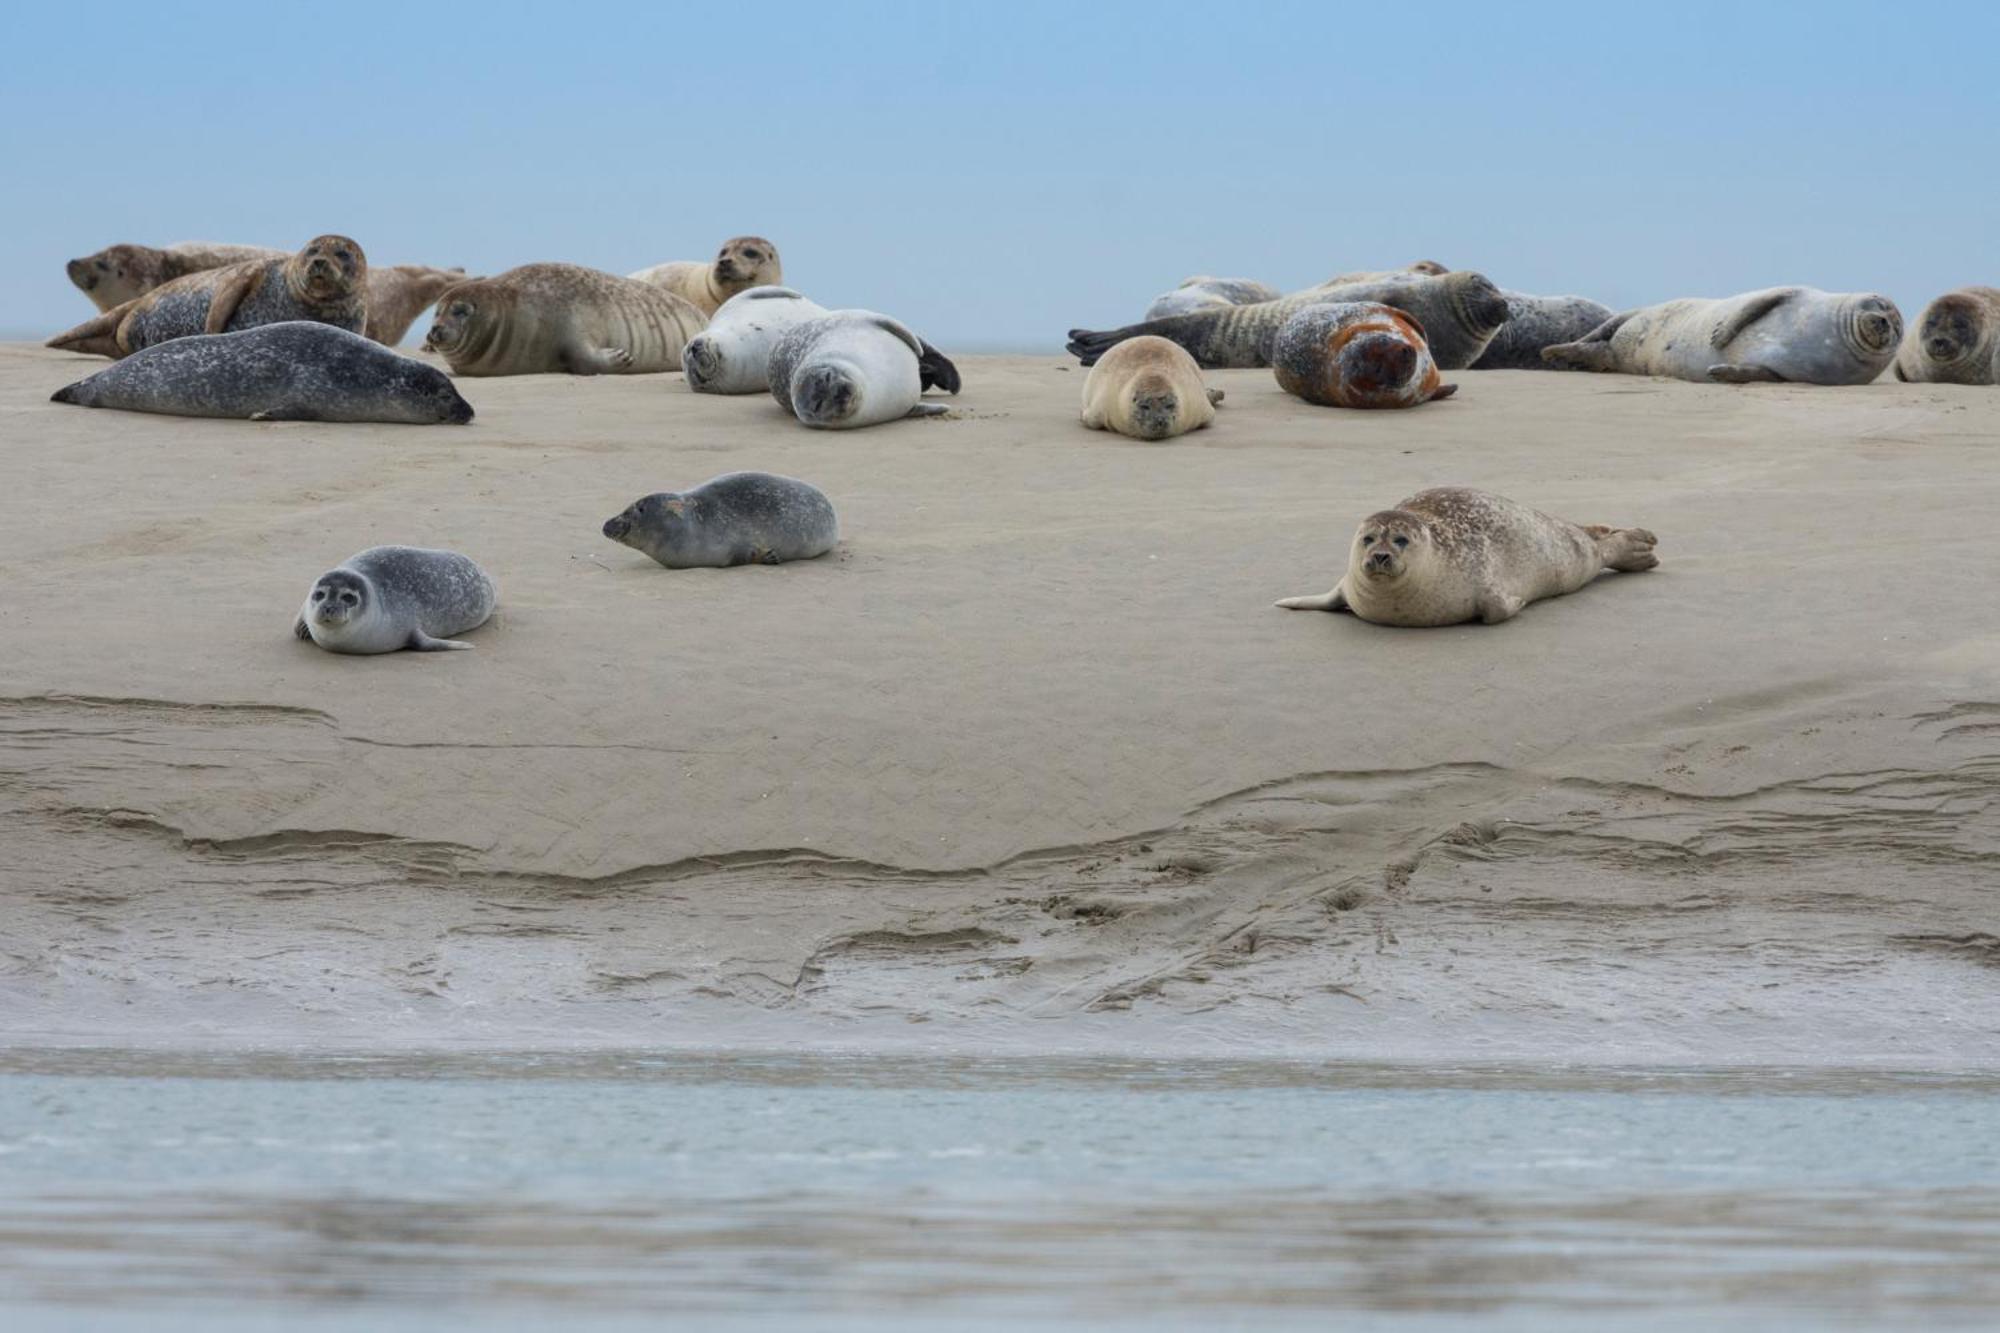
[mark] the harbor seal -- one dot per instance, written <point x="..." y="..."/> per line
<point x="742" y="263"/>
<point x="1355" y="354"/>
<point x="733" y="354"/>
<point x="1423" y="268"/>
<point x="391" y="597"/>
<point x="325" y="282"/>
<point x="543" y="319"/>
<point x="1460" y="311"/>
<point x="1799" y="334"/>
<point x="1453" y="554"/>
<point x="1210" y="294"/>
<point x="1147" y="388"/>
<point x="1535" y="322"/>
<point x="294" y="371"/>
<point x="120" y="273"/>
<point x="1955" y="341"/>
<point x="739" y="518"/>
<point x="398" y="293"/>
<point x="850" y="368"/>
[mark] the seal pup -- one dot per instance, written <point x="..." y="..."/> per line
<point x="1797" y="334"/>
<point x="1453" y="554"/>
<point x="1955" y="341"/>
<point x="1205" y="293"/>
<point x="1535" y="322"/>
<point x="1147" y="388"/>
<point x="742" y="263"/>
<point x="294" y="371"/>
<point x="391" y="597"/>
<point x="739" y="518"/>
<point x="398" y="293"/>
<point x="326" y="282"/>
<point x="1462" y="311"/>
<point x="120" y="273"/>
<point x="850" y="368"/>
<point x="543" y="319"/>
<point x="733" y="354"/>
<point x="1355" y="354"/>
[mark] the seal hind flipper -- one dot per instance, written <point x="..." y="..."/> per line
<point x="94" y="337"/>
<point x="1732" y="374"/>
<point x="1215" y="398"/>
<point x="1333" y="601"/>
<point x="228" y="295"/>
<point x="936" y="370"/>
<point x="1442" y="391"/>
<point x="1581" y="355"/>
<point x="1726" y="332"/>
<point x="424" y="643"/>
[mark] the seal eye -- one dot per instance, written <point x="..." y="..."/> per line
<point x="1369" y="540"/>
<point x="319" y="594"/>
<point x="340" y="254"/>
<point x="103" y="267"/>
<point x="1402" y="541"/>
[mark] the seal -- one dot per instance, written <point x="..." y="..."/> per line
<point x="742" y="263"/>
<point x="295" y="371"/>
<point x="120" y="273"/>
<point x="1535" y="322"/>
<point x="1461" y="311"/>
<point x="1453" y="554"/>
<point x="1355" y="354"/>
<point x="850" y="368"/>
<point x="739" y="518"/>
<point x="391" y="597"/>
<point x="325" y="282"/>
<point x="1955" y="341"/>
<point x="1210" y="294"/>
<point x="1147" y="388"/>
<point x="733" y="354"/>
<point x="398" y="293"/>
<point x="1423" y="268"/>
<point x="543" y="319"/>
<point x="1799" y="334"/>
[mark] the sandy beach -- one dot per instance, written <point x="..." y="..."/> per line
<point x="1030" y="759"/>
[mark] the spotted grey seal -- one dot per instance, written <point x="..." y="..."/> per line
<point x="1453" y="554"/>
<point x="1460" y="311"/>
<point x="850" y="368"/>
<point x="1204" y="293"/>
<point x="1955" y="341"/>
<point x="1535" y="322"/>
<point x="1799" y="334"/>
<point x="561" y="318"/>
<point x="1147" y="388"/>
<point x="739" y="518"/>
<point x="391" y="597"/>
<point x="120" y="273"/>
<point x="742" y="263"/>
<point x="733" y="354"/>
<point x="1356" y="354"/>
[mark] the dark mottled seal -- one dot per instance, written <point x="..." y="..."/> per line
<point x="120" y="273"/>
<point x="1461" y="312"/>
<point x="1798" y="334"/>
<point x="1955" y="341"/>
<point x="1453" y="554"/>
<point x="326" y="282"/>
<point x="391" y="597"/>
<point x="1356" y="354"/>
<point x="1535" y="322"/>
<point x="850" y="368"/>
<point x="549" y="319"/>
<point x="295" y="371"/>
<point x="740" y="518"/>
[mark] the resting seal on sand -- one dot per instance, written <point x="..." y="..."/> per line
<point x="1460" y="312"/>
<point x="559" y="318"/>
<point x="1423" y="268"/>
<point x="1955" y="341"/>
<point x="851" y="368"/>
<point x="398" y="293"/>
<point x="733" y="354"/>
<point x="120" y="273"/>
<point x="1535" y="322"/>
<point x="1147" y="388"/>
<point x="742" y="263"/>
<point x="1800" y="334"/>
<point x="1355" y="354"/>
<point x="326" y="282"/>
<point x="1206" y="293"/>
<point x="295" y="371"/>
<point x="1454" y="554"/>
<point x="391" y="597"/>
<point x="739" y="518"/>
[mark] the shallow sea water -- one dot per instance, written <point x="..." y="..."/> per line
<point x="163" y="1191"/>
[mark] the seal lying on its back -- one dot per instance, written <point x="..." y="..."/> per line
<point x="1800" y="334"/>
<point x="544" y="319"/>
<point x="1454" y="554"/>
<point x="733" y="354"/>
<point x="739" y="518"/>
<point x="391" y="597"/>
<point x="1955" y="341"/>
<point x="1210" y="294"/>
<point x="1355" y="354"/>
<point x="295" y="371"/>
<point x="851" y="368"/>
<point x="1535" y="322"/>
<point x="120" y="273"/>
<point x="1147" y="388"/>
<point x="326" y="282"/>
<point x="399" y="293"/>
<point x="743" y="262"/>
<point x="1460" y="311"/>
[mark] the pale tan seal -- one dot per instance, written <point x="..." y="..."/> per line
<point x="1422" y="268"/>
<point x="1799" y="335"/>
<point x="742" y="263"/>
<point x="1955" y="341"/>
<point x="1147" y="388"/>
<point x="1355" y="354"/>
<point x="1455" y="554"/>
<point x="398" y="293"/>
<point x="120" y="273"/>
<point x="560" y="318"/>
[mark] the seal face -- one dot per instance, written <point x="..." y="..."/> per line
<point x="392" y="597"/>
<point x="739" y="518"/>
<point x="543" y="319"/>
<point x="1452" y="554"/>
<point x="850" y="368"/>
<point x="743" y="262"/>
<point x="121" y="273"/>
<point x="1356" y="354"/>
<point x="733" y="354"/>
<point x="1955" y="341"/>
<point x="1796" y="334"/>
<point x="1147" y="388"/>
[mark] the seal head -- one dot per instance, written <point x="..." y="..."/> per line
<point x="118" y="273"/>
<point x="327" y="270"/>
<point x="1870" y="325"/>
<point x="338" y="599"/>
<point x="744" y="262"/>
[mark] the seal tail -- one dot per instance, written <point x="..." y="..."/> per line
<point x="93" y="337"/>
<point x="936" y="370"/>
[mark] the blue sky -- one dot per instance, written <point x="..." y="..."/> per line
<point x="995" y="174"/>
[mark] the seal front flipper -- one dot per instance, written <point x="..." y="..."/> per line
<point x="1495" y="606"/>
<point x="424" y="643"/>
<point x="1749" y="313"/>
<point x="1728" y="374"/>
<point x="1333" y="601"/>
<point x="935" y="370"/>
<point x="300" y="631"/>
<point x="289" y="412"/>
<point x="927" y="410"/>
<point x="1442" y="391"/>
<point x="228" y="295"/>
<point x="595" y="360"/>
